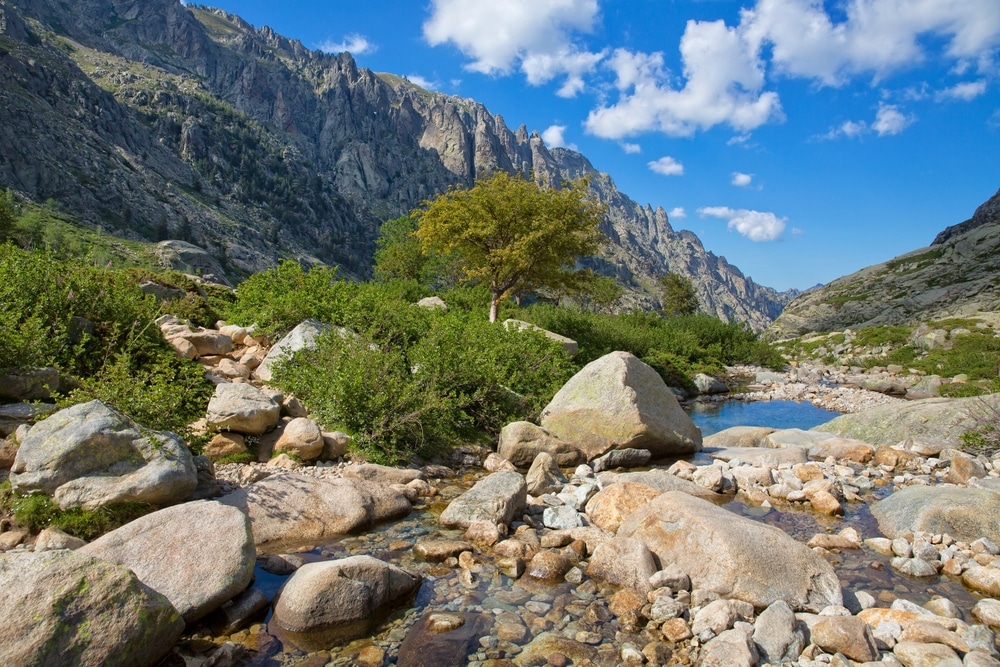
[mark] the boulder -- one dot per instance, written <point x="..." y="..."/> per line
<point x="964" y="513"/>
<point x="433" y="303"/>
<point x="733" y="556"/>
<point x="842" y="449"/>
<point x="34" y="384"/>
<point x="845" y="634"/>
<point x="302" y="337"/>
<point x="225" y="444"/>
<point x="732" y="648"/>
<point x="621" y="458"/>
<point x="777" y="635"/>
<point x="658" y="479"/>
<point x="614" y="502"/>
<point x="569" y="345"/>
<point x="199" y="555"/>
<point x="521" y="442"/>
<point x="242" y="408"/>
<point x="623" y="562"/>
<point x="933" y="419"/>
<point x="291" y="507"/>
<point x="337" y="600"/>
<point x="15" y="415"/>
<point x="302" y="438"/>
<point x="89" y="455"/>
<point x="739" y="436"/>
<point x="796" y="437"/>
<point x="372" y="472"/>
<point x="54" y="538"/>
<point x="61" y="607"/>
<point x="544" y="476"/>
<point x="707" y="385"/>
<point x="498" y="498"/>
<point x="619" y="402"/>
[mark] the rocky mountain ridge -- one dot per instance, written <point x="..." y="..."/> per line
<point x="957" y="275"/>
<point x="154" y="120"/>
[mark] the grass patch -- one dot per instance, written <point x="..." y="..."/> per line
<point x="37" y="512"/>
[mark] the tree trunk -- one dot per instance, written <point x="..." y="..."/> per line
<point x="494" y="307"/>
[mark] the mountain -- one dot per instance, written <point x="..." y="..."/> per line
<point x="154" y="120"/>
<point x="958" y="274"/>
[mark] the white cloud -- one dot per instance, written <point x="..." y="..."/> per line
<point x="426" y="84"/>
<point x="755" y="225"/>
<point x="878" y="36"/>
<point x="723" y="85"/>
<point x="667" y="166"/>
<point x="969" y="90"/>
<point x="535" y="35"/>
<point x="356" y="44"/>
<point x="741" y="180"/>
<point x="889" y="120"/>
<point x="629" y="148"/>
<point x="555" y="137"/>
<point x="677" y="213"/>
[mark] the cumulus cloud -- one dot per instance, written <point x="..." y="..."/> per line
<point x="723" y="81"/>
<point x="741" y="180"/>
<point x="554" y="136"/>
<point x="426" y="84"/>
<point x="533" y="35"/>
<point x="969" y="90"/>
<point x="890" y="120"/>
<point x="878" y="36"/>
<point x="667" y="166"/>
<point x="677" y="213"/>
<point x="356" y="44"/>
<point x="755" y="225"/>
<point x="630" y="148"/>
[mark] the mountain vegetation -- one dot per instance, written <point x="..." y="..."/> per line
<point x="154" y="121"/>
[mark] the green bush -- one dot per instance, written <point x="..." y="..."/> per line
<point x="37" y="512"/>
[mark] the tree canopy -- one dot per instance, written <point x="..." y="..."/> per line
<point x="511" y="234"/>
<point x="678" y="295"/>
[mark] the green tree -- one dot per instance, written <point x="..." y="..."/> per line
<point x="8" y="215"/>
<point x="398" y="256"/>
<point x="511" y="234"/>
<point x="677" y="295"/>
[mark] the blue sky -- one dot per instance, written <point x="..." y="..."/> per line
<point x="800" y="139"/>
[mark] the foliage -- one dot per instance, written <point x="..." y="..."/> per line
<point x="8" y="215"/>
<point x="594" y="292"/>
<point x="882" y="335"/>
<point x="977" y="354"/>
<point x="677" y="295"/>
<point x="37" y="512"/>
<point x="983" y="437"/>
<point x="400" y="257"/>
<point x="511" y="234"/>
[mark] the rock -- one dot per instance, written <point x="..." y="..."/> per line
<point x="776" y="634"/>
<point x="569" y="345"/>
<point x="928" y="386"/>
<point x="841" y="449"/>
<point x="732" y="648"/>
<point x="964" y="468"/>
<point x="614" y="502"/>
<point x="915" y="654"/>
<point x="287" y="506"/>
<point x="706" y="384"/>
<point x="439" y="638"/>
<point x="9" y="539"/>
<point x="242" y="408"/>
<point x="242" y="610"/>
<point x="335" y="445"/>
<point x="439" y="549"/>
<point x="618" y="402"/>
<point x="35" y="384"/>
<point x="54" y="538"/>
<point x="983" y="579"/>
<point x="433" y="303"/>
<point x="979" y="659"/>
<point x="189" y="258"/>
<point x="621" y="458"/>
<point x="938" y="419"/>
<point x="845" y="634"/>
<point x="16" y="417"/>
<point x="302" y="337"/>
<point x="57" y="606"/>
<point x="762" y="456"/>
<point x="845" y="539"/>
<point x="544" y="475"/>
<point x="987" y="611"/>
<point x="89" y="455"/>
<point x="658" y="479"/>
<point x="549" y="565"/>
<point x="733" y="556"/>
<point x="302" y="438"/>
<point x="721" y="615"/>
<point x="796" y="437"/>
<point x="739" y="437"/>
<point x="336" y="600"/>
<point x="623" y="562"/>
<point x="496" y="463"/>
<point x="562" y="517"/>
<point x="199" y="555"/>
<point x="497" y="498"/>
<point x="548" y="644"/>
<point x="373" y="472"/>
<point x="913" y="567"/>
<point x="484" y="533"/>
<point x="933" y="633"/>
<point x="965" y="514"/>
<point x="520" y="442"/>
<point x="225" y="444"/>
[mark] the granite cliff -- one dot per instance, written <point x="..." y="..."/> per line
<point x="154" y="120"/>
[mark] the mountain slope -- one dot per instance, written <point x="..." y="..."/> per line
<point x="153" y="120"/>
<point x="958" y="274"/>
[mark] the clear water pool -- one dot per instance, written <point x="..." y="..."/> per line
<point x="712" y="417"/>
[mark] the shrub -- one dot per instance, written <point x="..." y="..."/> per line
<point x="37" y="512"/>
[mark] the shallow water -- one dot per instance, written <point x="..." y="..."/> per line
<point x="714" y="416"/>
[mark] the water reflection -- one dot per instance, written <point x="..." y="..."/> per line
<point x="714" y="416"/>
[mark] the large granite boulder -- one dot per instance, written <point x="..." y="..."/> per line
<point x="290" y="507"/>
<point x="614" y="502"/>
<point x="497" y="498"/>
<point x="964" y="513"/>
<point x="521" y="442"/>
<point x="619" y="402"/>
<point x="933" y="419"/>
<point x="302" y="337"/>
<point x="739" y="436"/>
<point x="32" y="384"/>
<point x="199" y="555"/>
<point x="242" y="408"/>
<point x="658" y="479"/>
<point x="61" y="607"/>
<point x="338" y="600"/>
<point x="89" y="455"/>
<point x="733" y="556"/>
<point x="569" y="345"/>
